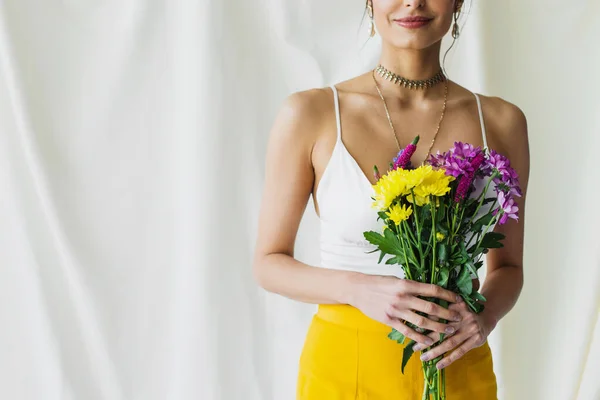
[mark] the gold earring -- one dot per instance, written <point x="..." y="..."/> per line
<point x="455" y="28"/>
<point x="372" y="23"/>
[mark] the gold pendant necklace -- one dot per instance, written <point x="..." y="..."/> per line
<point x="387" y="112"/>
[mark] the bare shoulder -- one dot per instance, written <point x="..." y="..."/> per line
<point x="300" y="121"/>
<point x="506" y="126"/>
<point x="505" y="121"/>
<point x="303" y="111"/>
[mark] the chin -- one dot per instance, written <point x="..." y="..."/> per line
<point x="412" y="43"/>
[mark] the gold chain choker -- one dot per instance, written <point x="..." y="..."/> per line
<point x="409" y="83"/>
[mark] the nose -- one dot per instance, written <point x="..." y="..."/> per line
<point x="414" y="3"/>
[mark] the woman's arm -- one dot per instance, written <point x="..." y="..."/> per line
<point x="289" y="182"/>
<point x="504" y="279"/>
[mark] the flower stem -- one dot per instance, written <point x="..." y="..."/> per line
<point x="486" y="230"/>
<point x="433" y="234"/>
<point x="418" y="231"/>
<point x="406" y="264"/>
<point x="482" y="195"/>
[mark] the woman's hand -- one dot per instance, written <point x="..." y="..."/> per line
<point x="391" y="301"/>
<point x="470" y="333"/>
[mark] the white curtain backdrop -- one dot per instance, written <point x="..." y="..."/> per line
<point x="132" y="140"/>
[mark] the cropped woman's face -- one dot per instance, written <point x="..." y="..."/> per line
<point x="413" y="24"/>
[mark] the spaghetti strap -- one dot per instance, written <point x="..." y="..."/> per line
<point x="336" y="101"/>
<point x="483" y="133"/>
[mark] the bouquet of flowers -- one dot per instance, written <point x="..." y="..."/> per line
<point x="439" y="220"/>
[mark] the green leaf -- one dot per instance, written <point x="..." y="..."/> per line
<point x="442" y="252"/>
<point x="481" y="222"/>
<point x="491" y="240"/>
<point x="394" y="242"/>
<point x="441" y="211"/>
<point x="407" y="353"/>
<point x="469" y="264"/>
<point x="464" y="281"/>
<point x="373" y="237"/>
<point x="397" y="260"/>
<point x="478" y="296"/>
<point x="444" y="275"/>
<point x="388" y="244"/>
<point x="396" y="336"/>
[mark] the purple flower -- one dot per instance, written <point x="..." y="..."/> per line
<point x="501" y="164"/>
<point x="395" y="160"/>
<point x="458" y="161"/>
<point x="457" y="166"/>
<point x="402" y="160"/>
<point x="506" y="177"/>
<point x="465" y="150"/>
<point x="467" y="179"/>
<point x="508" y="207"/>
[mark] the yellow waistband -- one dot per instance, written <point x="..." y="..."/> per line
<point x="350" y="317"/>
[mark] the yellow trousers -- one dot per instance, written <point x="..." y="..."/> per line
<point x="347" y="355"/>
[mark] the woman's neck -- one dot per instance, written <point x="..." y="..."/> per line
<point x="413" y="65"/>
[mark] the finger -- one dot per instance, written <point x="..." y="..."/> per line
<point x="429" y="290"/>
<point x="461" y="308"/>
<point x="426" y="323"/>
<point x="457" y="353"/>
<point x="436" y="338"/>
<point x="446" y="346"/>
<point x="409" y="333"/>
<point x="435" y="310"/>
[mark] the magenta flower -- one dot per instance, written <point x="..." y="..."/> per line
<point x="463" y="188"/>
<point x="458" y="161"/>
<point x="508" y="207"/>
<point x="465" y="150"/>
<point x="467" y="179"/>
<point x="501" y="164"/>
<point x="402" y="160"/>
<point x="506" y="178"/>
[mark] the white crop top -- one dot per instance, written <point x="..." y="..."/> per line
<point x="345" y="207"/>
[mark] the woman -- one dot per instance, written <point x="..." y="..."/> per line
<point x="325" y="142"/>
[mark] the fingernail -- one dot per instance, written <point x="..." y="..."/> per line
<point x="425" y="357"/>
<point x="429" y="342"/>
<point x="458" y="298"/>
<point x="417" y="347"/>
<point x="457" y="318"/>
<point x="450" y="329"/>
<point x="440" y="365"/>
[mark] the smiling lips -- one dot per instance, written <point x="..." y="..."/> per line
<point x="413" y="22"/>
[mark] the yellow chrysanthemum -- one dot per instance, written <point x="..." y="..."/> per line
<point x="416" y="176"/>
<point x="399" y="213"/>
<point x="418" y="200"/>
<point x="387" y="189"/>
<point x="440" y="236"/>
<point x="436" y="183"/>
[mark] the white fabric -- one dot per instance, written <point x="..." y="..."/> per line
<point x="344" y="195"/>
<point x="132" y="139"/>
<point x="481" y="121"/>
